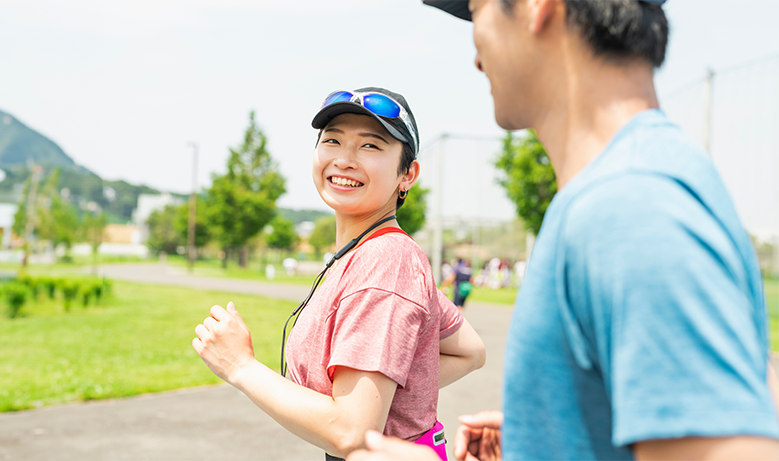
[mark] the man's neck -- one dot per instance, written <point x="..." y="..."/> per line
<point x="599" y="99"/>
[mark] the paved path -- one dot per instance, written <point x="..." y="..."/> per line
<point x="162" y="274"/>
<point x="213" y="423"/>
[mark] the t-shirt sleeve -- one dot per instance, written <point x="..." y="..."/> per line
<point x="451" y="317"/>
<point x="377" y="331"/>
<point x="661" y="295"/>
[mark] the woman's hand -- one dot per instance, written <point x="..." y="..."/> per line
<point x="224" y="342"/>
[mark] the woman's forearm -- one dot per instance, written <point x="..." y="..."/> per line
<point x="460" y="354"/>
<point x="337" y="425"/>
<point x="308" y="414"/>
<point x="453" y="367"/>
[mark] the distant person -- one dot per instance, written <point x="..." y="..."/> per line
<point x="377" y="340"/>
<point x="640" y="329"/>
<point x="290" y="266"/>
<point x="461" y="279"/>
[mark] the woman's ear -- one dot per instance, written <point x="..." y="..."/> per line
<point x="408" y="178"/>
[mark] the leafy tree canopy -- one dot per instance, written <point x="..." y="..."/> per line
<point x="528" y="177"/>
<point x="411" y="216"/>
<point x="203" y="232"/>
<point x="243" y="201"/>
<point x="323" y="234"/>
<point x="163" y="232"/>
<point x="283" y="235"/>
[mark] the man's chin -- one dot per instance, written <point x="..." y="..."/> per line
<point x="508" y="123"/>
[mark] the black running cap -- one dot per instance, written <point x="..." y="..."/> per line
<point x="394" y="126"/>
<point x="459" y="8"/>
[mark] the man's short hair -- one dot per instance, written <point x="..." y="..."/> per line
<point x="617" y="29"/>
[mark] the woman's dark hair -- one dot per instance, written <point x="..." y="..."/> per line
<point x="617" y="29"/>
<point x="407" y="157"/>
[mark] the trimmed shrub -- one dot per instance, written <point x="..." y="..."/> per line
<point x="49" y="286"/>
<point x="70" y="289"/>
<point x="16" y="296"/>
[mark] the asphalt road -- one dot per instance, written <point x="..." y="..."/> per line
<point x="214" y="423"/>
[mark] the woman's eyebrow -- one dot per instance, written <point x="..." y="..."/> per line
<point x="373" y="135"/>
<point x="366" y="134"/>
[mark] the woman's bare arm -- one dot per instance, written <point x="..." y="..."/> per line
<point x="461" y="353"/>
<point x="337" y="424"/>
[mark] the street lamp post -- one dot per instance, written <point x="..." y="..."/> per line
<point x="191" y="253"/>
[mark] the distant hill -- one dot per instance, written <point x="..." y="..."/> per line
<point x="20" y="144"/>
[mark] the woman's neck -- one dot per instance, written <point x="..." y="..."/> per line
<point x="349" y="227"/>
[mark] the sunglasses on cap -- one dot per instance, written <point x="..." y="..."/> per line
<point x="379" y="104"/>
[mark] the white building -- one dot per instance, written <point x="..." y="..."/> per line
<point x="7" y="212"/>
<point x="148" y="204"/>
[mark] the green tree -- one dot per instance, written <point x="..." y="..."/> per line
<point x="243" y="201"/>
<point x="411" y="216"/>
<point x="283" y="235"/>
<point x="164" y="234"/>
<point x="323" y="234"/>
<point x="203" y="232"/>
<point x="58" y="221"/>
<point x="93" y="233"/>
<point x="528" y="177"/>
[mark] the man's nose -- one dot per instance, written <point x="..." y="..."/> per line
<point x="477" y="62"/>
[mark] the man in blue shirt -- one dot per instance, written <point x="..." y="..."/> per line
<point x="640" y="330"/>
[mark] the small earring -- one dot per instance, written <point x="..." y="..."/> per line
<point x="402" y="194"/>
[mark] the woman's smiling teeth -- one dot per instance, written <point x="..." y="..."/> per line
<point x="344" y="182"/>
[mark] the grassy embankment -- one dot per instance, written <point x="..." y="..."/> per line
<point x="136" y="341"/>
<point x="139" y="341"/>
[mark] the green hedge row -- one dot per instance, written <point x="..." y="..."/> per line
<point x="17" y="292"/>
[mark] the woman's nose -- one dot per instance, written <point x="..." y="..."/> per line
<point x="346" y="158"/>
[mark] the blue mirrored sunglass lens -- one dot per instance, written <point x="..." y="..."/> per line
<point x="381" y="105"/>
<point x="338" y="96"/>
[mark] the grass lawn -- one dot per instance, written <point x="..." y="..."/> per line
<point x="500" y="296"/>
<point x="772" y="300"/>
<point x="137" y="341"/>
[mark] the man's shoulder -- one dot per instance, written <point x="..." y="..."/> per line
<point x="622" y="198"/>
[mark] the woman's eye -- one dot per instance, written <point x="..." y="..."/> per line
<point x="330" y="141"/>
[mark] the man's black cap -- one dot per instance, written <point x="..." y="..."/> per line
<point x="460" y="9"/>
<point x="457" y="8"/>
<point x="394" y="126"/>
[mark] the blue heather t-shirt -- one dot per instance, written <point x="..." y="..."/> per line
<point x="641" y="315"/>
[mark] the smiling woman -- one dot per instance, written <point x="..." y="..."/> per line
<point x="377" y="340"/>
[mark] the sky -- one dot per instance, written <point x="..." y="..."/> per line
<point x="124" y="86"/>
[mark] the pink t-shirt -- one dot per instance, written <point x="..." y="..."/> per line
<point x="378" y="310"/>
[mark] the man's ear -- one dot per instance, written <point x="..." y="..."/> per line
<point x="540" y="12"/>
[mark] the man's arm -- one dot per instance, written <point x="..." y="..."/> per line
<point x="461" y="353"/>
<point x="709" y="449"/>
<point x="773" y="385"/>
<point x="694" y="448"/>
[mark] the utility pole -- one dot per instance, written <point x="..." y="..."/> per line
<point x="709" y="96"/>
<point x="438" y="229"/>
<point x="191" y="252"/>
<point x="29" y="227"/>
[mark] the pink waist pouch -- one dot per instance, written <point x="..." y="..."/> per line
<point x="434" y="438"/>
